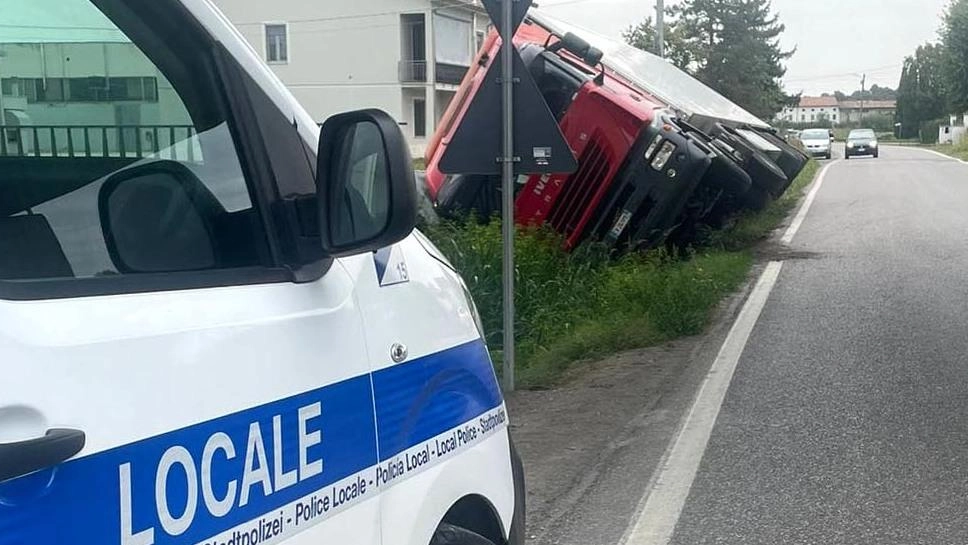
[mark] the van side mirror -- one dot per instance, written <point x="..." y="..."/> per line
<point x="364" y="183"/>
<point x="158" y="217"/>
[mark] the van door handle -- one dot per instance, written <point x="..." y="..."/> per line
<point x="25" y="457"/>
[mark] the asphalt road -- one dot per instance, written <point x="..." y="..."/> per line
<point x="846" y="420"/>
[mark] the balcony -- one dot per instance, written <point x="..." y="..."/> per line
<point x="416" y="72"/>
<point x="413" y="71"/>
<point x="451" y="74"/>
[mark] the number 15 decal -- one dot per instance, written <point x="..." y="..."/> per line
<point x="391" y="267"/>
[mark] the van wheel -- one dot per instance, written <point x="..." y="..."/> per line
<point x="448" y="534"/>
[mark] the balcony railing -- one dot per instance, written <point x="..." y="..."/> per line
<point x="450" y="73"/>
<point x="176" y="142"/>
<point x="413" y="71"/>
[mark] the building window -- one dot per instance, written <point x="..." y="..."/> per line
<point x="277" y="42"/>
<point x="813" y="117"/>
<point x="452" y="40"/>
<point x="480" y="39"/>
<point x="419" y="118"/>
<point x="803" y="117"/>
<point x="88" y="89"/>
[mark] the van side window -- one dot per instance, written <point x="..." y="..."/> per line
<point x="106" y="167"/>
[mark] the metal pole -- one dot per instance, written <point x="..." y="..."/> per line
<point x="3" y="114"/>
<point x="660" y="28"/>
<point x="863" y="89"/>
<point x="507" y="193"/>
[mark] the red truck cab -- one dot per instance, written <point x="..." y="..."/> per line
<point x="637" y="169"/>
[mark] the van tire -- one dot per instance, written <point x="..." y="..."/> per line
<point x="448" y="534"/>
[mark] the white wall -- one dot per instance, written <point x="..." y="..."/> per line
<point x="345" y="55"/>
<point x="342" y="55"/>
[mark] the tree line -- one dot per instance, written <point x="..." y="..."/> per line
<point x="934" y="79"/>
<point x="730" y="45"/>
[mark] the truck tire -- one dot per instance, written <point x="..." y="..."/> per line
<point x="766" y="174"/>
<point x="791" y="160"/>
<point x="448" y="534"/>
<point x="727" y="175"/>
<point x="757" y="199"/>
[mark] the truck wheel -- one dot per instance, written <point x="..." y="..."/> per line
<point x="757" y="199"/>
<point x="448" y="534"/>
<point x="765" y="174"/>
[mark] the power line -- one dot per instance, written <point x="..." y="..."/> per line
<point x="845" y="74"/>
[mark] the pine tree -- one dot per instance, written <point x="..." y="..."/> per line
<point x="643" y="36"/>
<point x="921" y="91"/>
<point x="954" y="34"/>
<point x="733" y="46"/>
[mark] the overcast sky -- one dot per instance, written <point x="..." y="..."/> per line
<point x="836" y="40"/>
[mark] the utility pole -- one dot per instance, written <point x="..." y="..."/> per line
<point x="863" y="89"/>
<point x="660" y="27"/>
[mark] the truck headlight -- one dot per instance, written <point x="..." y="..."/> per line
<point x="663" y="155"/>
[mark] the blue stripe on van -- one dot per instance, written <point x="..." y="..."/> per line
<point x="426" y="397"/>
<point x="79" y="502"/>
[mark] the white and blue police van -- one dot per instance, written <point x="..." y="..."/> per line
<point x="218" y="325"/>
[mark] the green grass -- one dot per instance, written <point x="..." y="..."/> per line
<point x="419" y="163"/>
<point x="571" y="307"/>
<point x="958" y="151"/>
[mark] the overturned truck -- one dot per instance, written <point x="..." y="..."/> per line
<point x="659" y="153"/>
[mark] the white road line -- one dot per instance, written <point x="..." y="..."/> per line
<point x="664" y="501"/>
<point x="805" y="207"/>
<point x="938" y="153"/>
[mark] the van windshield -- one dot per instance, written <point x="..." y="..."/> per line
<point x="84" y="103"/>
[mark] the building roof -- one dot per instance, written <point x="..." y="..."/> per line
<point x="869" y="104"/>
<point x="818" y="102"/>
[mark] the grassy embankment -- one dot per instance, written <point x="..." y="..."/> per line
<point x="581" y="305"/>
<point x="958" y="151"/>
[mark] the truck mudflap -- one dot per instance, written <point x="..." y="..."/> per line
<point x="647" y="202"/>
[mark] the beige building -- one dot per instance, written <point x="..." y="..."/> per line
<point x="406" y="57"/>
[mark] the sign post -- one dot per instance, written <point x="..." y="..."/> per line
<point x="527" y="140"/>
<point x="507" y="192"/>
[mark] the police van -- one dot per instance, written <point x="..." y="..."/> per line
<point x="218" y="325"/>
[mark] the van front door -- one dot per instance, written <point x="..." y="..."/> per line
<point x="146" y="331"/>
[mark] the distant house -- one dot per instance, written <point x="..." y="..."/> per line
<point x="811" y="110"/>
<point x="854" y="110"/>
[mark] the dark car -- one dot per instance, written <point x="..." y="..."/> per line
<point x="860" y="142"/>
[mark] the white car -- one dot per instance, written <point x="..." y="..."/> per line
<point x="817" y="142"/>
<point x="217" y="323"/>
